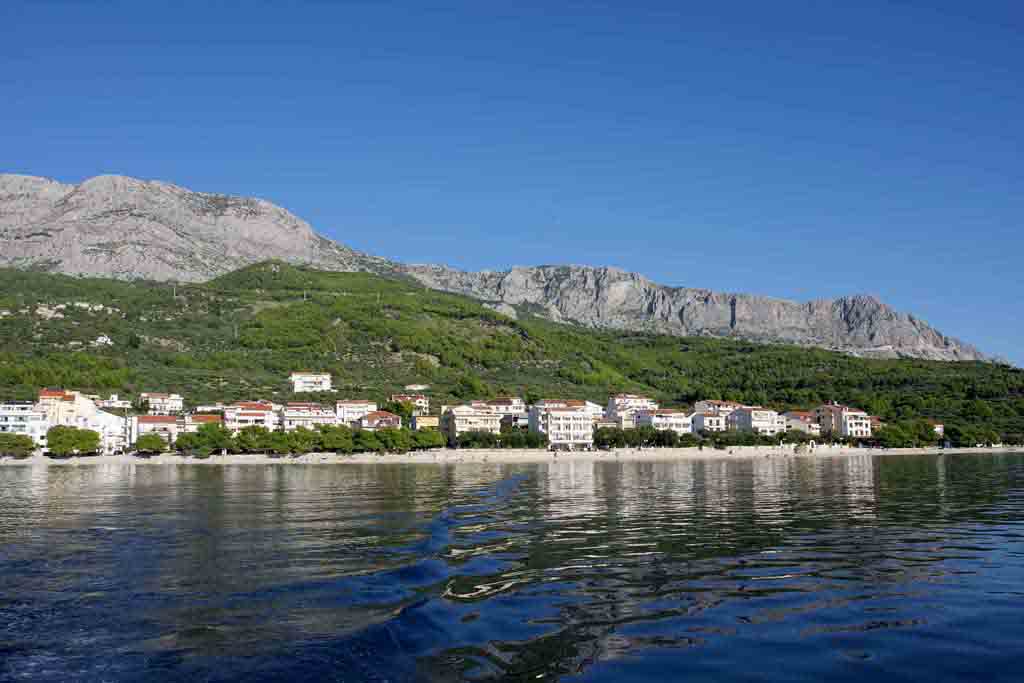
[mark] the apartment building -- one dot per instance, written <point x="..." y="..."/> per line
<point x="162" y="404"/>
<point x="839" y="420"/>
<point x="567" y="427"/>
<point x="306" y="382"/>
<point x="306" y="415"/>
<point x="718" y="408"/>
<point x="623" y="407"/>
<point x="802" y="421"/>
<point x="420" y="422"/>
<point x="192" y="423"/>
<point x="665" y="419"/>
<point x="166" y="427"/>
<point x="420" y="403"/>
<point x="75" y="409"/>
<point x="380" y="419"/>
<point x="350" y="412"/>
<point x="756" y="419"/>
<point x="458" y="420"/>
<point x="114" y="402"/>
<point x="244" y="414"/>
<point x="507" y="405"/>
<point x="708" y="422"/>
<point x="24" y="418"/>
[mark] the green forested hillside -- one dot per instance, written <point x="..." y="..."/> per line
<point x="240" y="335"/>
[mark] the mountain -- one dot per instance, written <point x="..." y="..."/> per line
<point x="114" y="226"/>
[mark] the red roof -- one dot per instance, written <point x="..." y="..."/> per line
<point x="157" y="419"/>
<point x="253" y="405"/>
<point x="207" y="418"/>
<point x="52" y="393"/>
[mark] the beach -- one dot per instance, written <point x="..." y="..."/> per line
<point x="447" y="456"/>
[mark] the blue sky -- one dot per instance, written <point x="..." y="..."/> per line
<point x="795" y="149"/>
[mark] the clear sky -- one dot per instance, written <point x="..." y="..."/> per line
<point x="795" y="149"/>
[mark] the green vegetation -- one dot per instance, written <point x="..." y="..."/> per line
<point x="511" y="439"/>
<point x="239" y="336"/>
<point x="16" y="445"/>
<point x="325" y="439"/>
<point x="150" y="443"/>
<point x="65" y="441"/>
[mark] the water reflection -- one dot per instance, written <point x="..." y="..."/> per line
<point x="607" y="570"/>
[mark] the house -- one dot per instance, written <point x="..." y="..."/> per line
<point x="420" y="403"/>
<point x="24" y="418"/>
<point x="380" y="419"/>
<point x="567" y="427"/>
<point x="351" y="412"/>
<point x="306" y="415"/>
<point x="756" y="419"/>
<point x="708" y="422"/>
<point x="192" y="423"/>
<point x="713" y="407"/>
<point x="244" y="414"/>
<point x="802" y="421"/>
<point x="306" y="382"/>
<point x="665" y="419"/>
<point x="507" y="405"/>
<point x="458" y="420"/>
<point x="420" y="422"/>
<point x="75" y="409"/>
<point x="162" y="404"/>
<point x="839" y="420"/>
<point x="623" y="407"/>
<point x="164" y="426"/>
<point x="114" y="403"/>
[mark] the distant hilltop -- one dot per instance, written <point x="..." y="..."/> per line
<point x="125" y="228"/>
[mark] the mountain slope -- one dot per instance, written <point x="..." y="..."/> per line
<point x="113" y="226"/>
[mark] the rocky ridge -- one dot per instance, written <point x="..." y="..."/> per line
<point x="114" y="226"/>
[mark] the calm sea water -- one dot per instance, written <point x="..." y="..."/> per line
<point x="860" y="569"/>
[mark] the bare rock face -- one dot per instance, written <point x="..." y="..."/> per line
<point x="113" y="226"/>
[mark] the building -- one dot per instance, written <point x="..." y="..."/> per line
<point x="462" y="419"/>
<point x="665" y="419"/>
<point x="708" y="422"/>
<point x="164" y="426"/>
<point x="426" y="422"/>
<point x="839" y="420"/>
<point x="351" y="412"/>
<point x="719" y="408"/>
<point x="756" y="419"/>
<point x="306" y="382"/>
<point x="507" y="405"/>
<point x="802" y="421"/>
<point x="380" y="419"/>
<point x="24" y="418"/>
<point x="75" y="409"/>
<point x="420" y="403"/>
<point x="306" y="415"/>
<point x="244" y="414"/>
<point x="192" y="423"/>
<point x="114" y="403"/>
<point x="567" y="427"/>
<point x="162" y="404"/>
<point x="623" y="407"/>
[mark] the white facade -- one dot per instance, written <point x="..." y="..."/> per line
<point x="114" y="403"/>
<point x="167" y="427"/>
<point x="250" y="414"/>
<point x="163" y="404"/>
<point x="74" y="409"/>
<point x="351" y="412"/>
<point x="708" y="422"/>
<point x="570" y="428"/>
<point x="802" y="422"/>
<point x="624" y="407"/>
<point x="760" y="420"/>
<point x="307" y="415"/>
<point x="840" y="420"/>
<point x="24" y="418"/>
<point x="461" y="419"/>
<point x="665" y="419"/>
<point x="305" y="382"/>
<point x="420" y="403"/>
<point x="719" y="408"/>
<point x="509" y="405"/>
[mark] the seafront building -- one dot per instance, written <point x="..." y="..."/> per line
<point x="802" y="421"/>
<point x="420" y="403"/>
<point x="244" y="414"/>
<point x="24" y="418"/>
<point x="665" y="419"/>
<point x="74" y="409"/>
<point x="421" y="422"/>
<point x="623" y="407"/>
<point x="568" y="426"/>
<point x="305" y="382"/>
<point x="762" y="421"/>
<point x="717" y="408"/>
<point x="380" y="419"/>
<point x="350" y="412"/>
<point x="114" y="402"/>
<point x="306" y="415"/>
<point x="839" y="420"/>
<point x="192" y="422"/>
<point x="164" y="426"/>
<point x="162" y="404"/>
<point x="458" y="420"/>
<point x="708" y="422"/>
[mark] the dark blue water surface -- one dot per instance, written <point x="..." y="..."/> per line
<point x="858" y="569"/>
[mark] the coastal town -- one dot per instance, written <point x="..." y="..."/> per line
<point x="120" y="425"/>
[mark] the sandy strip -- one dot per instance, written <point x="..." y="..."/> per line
<point x="447" y="456"/>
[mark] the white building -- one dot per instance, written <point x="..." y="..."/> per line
<point x="165" y="426"/>
<point x="801" y="421"/>
<point x="250" y="414"/>
<point x="458" y="420"/>
<point x="351" y="412"/>
<point x="840" y="420"/>
<point x="380" y="419"/>
<point x="708" y="422"/>
<point x="307" y="415"/>
<point x="191" y="423"/>
<point x="75" y="409"/>
<point x="24" y="418"/>
<point x="623" y="407"/>
<point x="506" y="405"/>
<point x="665" y="419"/>
<point x="114" y="403"/>
<point x="420" y="403"/>
<point x="755" y="419"/>
<point x="567" y="428"/>
<point x="305" y="382"/>
<point x="719" y="408"/>
<point x="162" y="404"/>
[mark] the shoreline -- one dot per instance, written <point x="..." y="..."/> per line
<point x="447" y="456"/>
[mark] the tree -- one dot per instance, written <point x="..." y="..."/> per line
<point x="303" y="440"/>
<point x="429" y="438"/>
<point x="189" y="443"/>
<point x="252" y="439"/>
<point x="16" y="445"/>
<point x="404" y="409"/>
<point x="215" y="437"/>
<point x="150" y="443"/>
<point x="336" y="438"/>
<point x="64" y="441"/>
<point x="366" y="441"/>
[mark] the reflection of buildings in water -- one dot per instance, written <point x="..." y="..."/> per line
<point x="860" y="494"/>
<point x="771" y="482"/>
<point x="571" y="489"/>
